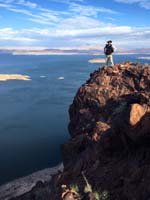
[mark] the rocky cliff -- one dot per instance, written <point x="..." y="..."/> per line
<point x="109" y="126"/>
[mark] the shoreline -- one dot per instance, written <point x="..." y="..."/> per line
<point x="22" y="185"/>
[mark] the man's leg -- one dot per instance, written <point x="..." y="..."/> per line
<point x="107" y="60"/>
<point x="111" y="60"/>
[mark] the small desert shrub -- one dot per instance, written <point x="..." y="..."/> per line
<point x="75" y="188"/>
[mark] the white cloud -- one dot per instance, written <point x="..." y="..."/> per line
<point x="90" y="33"/>
<point x="87" y="10"/>
<point x="41" y="15"/>
<point x="38" y="15"/>
<point x="110" y="19"/>
<point x="79" y="22"/>
<point x="67" y="1"/>
<point x="8" y="34"/>
<point x="22" y="11"/>
<point x="141" y="3"/>
<point x="125" y="36"/>
<point x="2" y="5"/>
<point x="25" y="3"/>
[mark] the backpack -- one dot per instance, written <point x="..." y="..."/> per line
<point x="108" y="49"/>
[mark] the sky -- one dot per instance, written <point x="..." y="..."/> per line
<point x="74" y="23"/>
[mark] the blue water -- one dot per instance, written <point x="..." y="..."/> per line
<point x="34" y="114"/>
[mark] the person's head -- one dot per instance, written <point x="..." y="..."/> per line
<point x="109" y="42"/>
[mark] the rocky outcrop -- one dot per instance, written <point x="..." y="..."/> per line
<point x="110" y="133"/>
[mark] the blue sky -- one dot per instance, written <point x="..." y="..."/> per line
<point x="74" y="23"/>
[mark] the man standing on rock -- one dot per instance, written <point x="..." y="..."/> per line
<point x="108" y="50"/>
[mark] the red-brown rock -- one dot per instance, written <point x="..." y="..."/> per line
<point x="110" y="133"/>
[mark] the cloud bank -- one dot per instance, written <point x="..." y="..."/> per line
<point x="79" y="25"/>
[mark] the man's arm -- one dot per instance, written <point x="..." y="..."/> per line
<point x="114" y="48"/>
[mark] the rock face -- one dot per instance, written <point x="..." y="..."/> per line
<point x="110" y="133"/>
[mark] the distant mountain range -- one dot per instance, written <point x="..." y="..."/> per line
<point x="68" y="51"/>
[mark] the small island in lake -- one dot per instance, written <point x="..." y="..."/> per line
<point x="6" y="77"/>
<point x="97" y="60"/>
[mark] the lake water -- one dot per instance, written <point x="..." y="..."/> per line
<point x="34" y="114"/>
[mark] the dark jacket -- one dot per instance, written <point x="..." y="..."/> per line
<point x="108" y="49"/>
